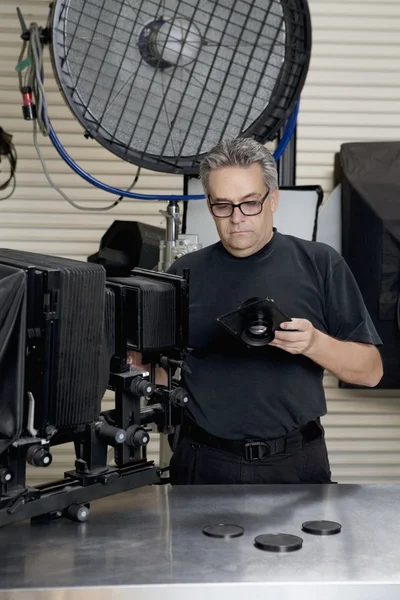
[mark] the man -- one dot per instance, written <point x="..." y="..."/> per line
<point x="254" y="413"/>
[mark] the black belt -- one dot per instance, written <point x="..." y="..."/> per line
<point x="252" y="450"/>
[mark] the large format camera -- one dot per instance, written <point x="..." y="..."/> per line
<point x="65" y="330"/>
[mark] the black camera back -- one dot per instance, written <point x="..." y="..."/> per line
<point x="64" y="362"/>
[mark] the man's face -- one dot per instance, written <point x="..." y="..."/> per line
<point x="240" y="234"/>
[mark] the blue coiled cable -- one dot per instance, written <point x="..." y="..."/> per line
<point x="288" y="132"/>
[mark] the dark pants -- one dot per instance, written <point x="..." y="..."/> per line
<point x="192" y="464"/>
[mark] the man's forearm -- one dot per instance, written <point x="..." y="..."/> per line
<point x="355" y="363"/>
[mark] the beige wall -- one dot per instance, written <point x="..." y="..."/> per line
<point x="352" y="94"/>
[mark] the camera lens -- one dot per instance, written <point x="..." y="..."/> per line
<point x="258" y="332"/>
<point x="258" y="329"/>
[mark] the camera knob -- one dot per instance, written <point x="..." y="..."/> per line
<point x="141" y="387"/>
<point x="6" y="475"/>
<point x="179" y="397"/>
<point x="137" y="436"/>
<point x="39" y="456"/>
<point x="113" y="435"/>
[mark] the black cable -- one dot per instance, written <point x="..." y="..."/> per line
<point x="185" y="203"/>
<point x="33" y="79"/>
<point x="130" y="188"/>
<point x="7" y="149"/>
<point x="14" y="185"/>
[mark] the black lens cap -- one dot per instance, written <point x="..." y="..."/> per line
<point x="322" y="527"/>
<point x="278" y="542"/>
<point x="222" y="530"/>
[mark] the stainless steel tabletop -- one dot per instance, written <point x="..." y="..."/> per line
<point x="148" y="543"/>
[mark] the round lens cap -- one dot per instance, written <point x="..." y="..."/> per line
<point x="278" y="542"/>
<point x="322" y="527"/>
<point x="222" y="530"/>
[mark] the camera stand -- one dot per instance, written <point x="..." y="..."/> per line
<point x="123" y="427"/>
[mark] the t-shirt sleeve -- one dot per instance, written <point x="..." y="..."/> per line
<point x="347" y="316"/>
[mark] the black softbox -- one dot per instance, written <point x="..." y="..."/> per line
<point x="370" y="178"/>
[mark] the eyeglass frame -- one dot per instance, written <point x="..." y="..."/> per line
<point x="239" y="206"/>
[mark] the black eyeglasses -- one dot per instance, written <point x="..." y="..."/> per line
<point x="248" y="208"/>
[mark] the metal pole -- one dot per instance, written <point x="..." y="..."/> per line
<point x="171" y="235"/>
<point x="287" y="162"/>
<point x="172" y="230"/>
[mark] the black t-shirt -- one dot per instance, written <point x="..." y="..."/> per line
<point x="265" y="392"/>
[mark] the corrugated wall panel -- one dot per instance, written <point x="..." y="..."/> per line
<point x="353" y="87"/>
<point x="352" y="94"/>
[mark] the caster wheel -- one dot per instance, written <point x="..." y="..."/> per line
<point x="78" y="512"/>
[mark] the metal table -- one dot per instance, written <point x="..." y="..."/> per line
<point x="148" y="544"/>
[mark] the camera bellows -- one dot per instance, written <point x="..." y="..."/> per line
<point x="148" y="311"/>
<point x="158" y="314"/>
<point x="65" y="337"/>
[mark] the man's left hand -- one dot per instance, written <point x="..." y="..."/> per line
<point x="298" y="336"/>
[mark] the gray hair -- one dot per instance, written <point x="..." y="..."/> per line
<point x="239" y="152"/>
